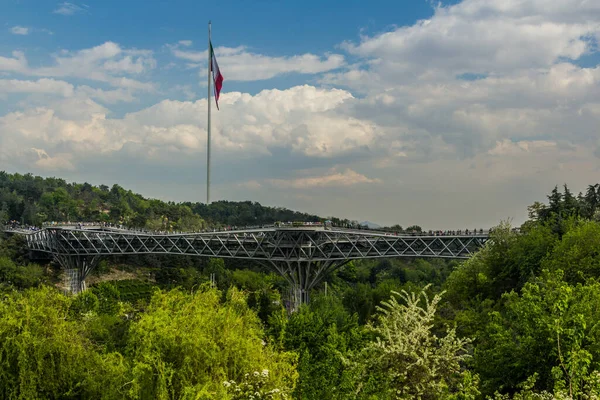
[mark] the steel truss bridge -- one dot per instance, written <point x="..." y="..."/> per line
<point x="302" y="255"/>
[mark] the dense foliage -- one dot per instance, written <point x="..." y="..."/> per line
<point x="519" y="320"/>
<point x="32" y="200"/>
<point x="183" y="346"/>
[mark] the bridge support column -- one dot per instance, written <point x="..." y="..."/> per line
<point x="303" y="276"/>
<point x="77" y="268"/>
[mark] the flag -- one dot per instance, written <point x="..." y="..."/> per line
<point x="217" y="77"/>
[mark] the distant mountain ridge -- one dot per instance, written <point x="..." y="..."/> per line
<point x="370" y="225"/>
<point x="32" y="200"/>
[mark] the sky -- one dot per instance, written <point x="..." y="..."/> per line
<point x="449" y="115"/>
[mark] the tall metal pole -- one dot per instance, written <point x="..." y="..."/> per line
<point x="208" y="121"/>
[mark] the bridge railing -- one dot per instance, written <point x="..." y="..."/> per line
<point x="15" y="227"/>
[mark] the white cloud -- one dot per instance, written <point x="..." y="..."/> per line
<point x="130" y="66"/>
<point x="301" y="119"/>
<point x="509" y="148"/>
<point x="48" y="86"/>
<point x="19" y="30"/>
<point x="133" y="84"/>
<point x="46" y="163"/>
<point x="66" y="8"/>
<point x="239" y="64"/>
<point x="186" y="43"/>
<point x="23" y="30"/>
<point x="186" y="90"/>
<point x="296" y="118"/>
<point x="107" y="96"/>
<point x="489" y="37"/>
<point x="108" y="63"/>
<point x="18" y="62"/>
<point x="467" y="116"/>
<point x="332" y="178"/>
<point x="64" y="89"/>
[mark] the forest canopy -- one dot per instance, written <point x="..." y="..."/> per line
<point x="518" y="320"/>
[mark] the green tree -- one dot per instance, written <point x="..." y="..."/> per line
<point x="46" y="355"/>
<point x="407" y="361"/>
<point x="577" y="253"/>
<point x="570" y="203"/>
<point x="591" y="201"/>
<point x="321" y="333"/>
<point x="21" y="277"/>
<point x="187" y="345"/>
<point x="536" y="211"/>
<point x="548" y="330"/>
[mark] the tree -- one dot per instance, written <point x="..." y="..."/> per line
<point x="545" y="330"/>
<point x="555" y="199"/>
<point x="21" y="277"/>
<point x="407" y="361"/>
<point x="570" y="203"/>
<point x="536" y="211"/>
<point x="591" y="201"/>
<point x="321" y="333"/>
<point x="187" y="345"/>
<point x="4" y="215"/>
<point x="45" y="354"/>
<point x="577" y="253"/>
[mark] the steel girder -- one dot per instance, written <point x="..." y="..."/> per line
<point x="267" y="245"/>
<point x="303" y="256"/>
<point x="77" y="267"/>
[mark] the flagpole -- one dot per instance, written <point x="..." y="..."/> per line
<point x="208" y="127"/>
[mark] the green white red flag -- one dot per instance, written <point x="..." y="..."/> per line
<point x="216" y="73"/>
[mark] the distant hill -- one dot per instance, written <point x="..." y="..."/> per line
<point x="370" y="225"/>
<point x="32" y="200"/>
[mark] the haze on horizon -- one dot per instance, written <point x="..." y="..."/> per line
<point x="450" y="115"/>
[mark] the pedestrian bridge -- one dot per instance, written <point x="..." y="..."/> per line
<point x="302" y="254"/>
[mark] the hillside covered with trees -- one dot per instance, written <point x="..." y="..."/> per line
<point x="32" y="200"/>
<point x="519" y="320"/>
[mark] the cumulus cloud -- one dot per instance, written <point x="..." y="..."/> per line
<point x="107" y="63"/>
<point x="67" y="9"/>
<point x="509" y="148"/>
<point x="483" y="37"/>
<point x="477" y="73"/>
<point x="332" y="178"/>
<point x="272" y="118"/>
<point x="296" y="118"/>
<point x="466" y="116"/>
<point x="50" y="164"/>
<point x="243" y="65"/>
<point x="107" y="96"/>
<point x="16" y="63"/>
<point x="48" y="86"/>
<point x="19" y="30"/>
<point x="63" y="89"/>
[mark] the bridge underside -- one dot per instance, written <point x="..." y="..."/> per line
<point x="77" y="268"/>
<point x="303" y="276"/>
<point x="303" y="256"/>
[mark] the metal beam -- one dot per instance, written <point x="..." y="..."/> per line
<point x="268" y="244"/>
<point x="303" y="256"/>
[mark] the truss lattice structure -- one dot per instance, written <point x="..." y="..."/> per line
<point x="270" y="244"/>
<point x="303" y="255"/>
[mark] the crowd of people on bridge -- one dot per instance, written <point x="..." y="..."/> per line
<point x="17" y="226"/>
<point x="326" y="225"/>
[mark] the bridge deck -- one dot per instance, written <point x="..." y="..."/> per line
<point x="306" y="243"/>
<point x="303" y="255"/>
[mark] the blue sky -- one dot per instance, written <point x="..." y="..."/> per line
<point x="266" y="27"/>
<point x="440" y="114"/>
